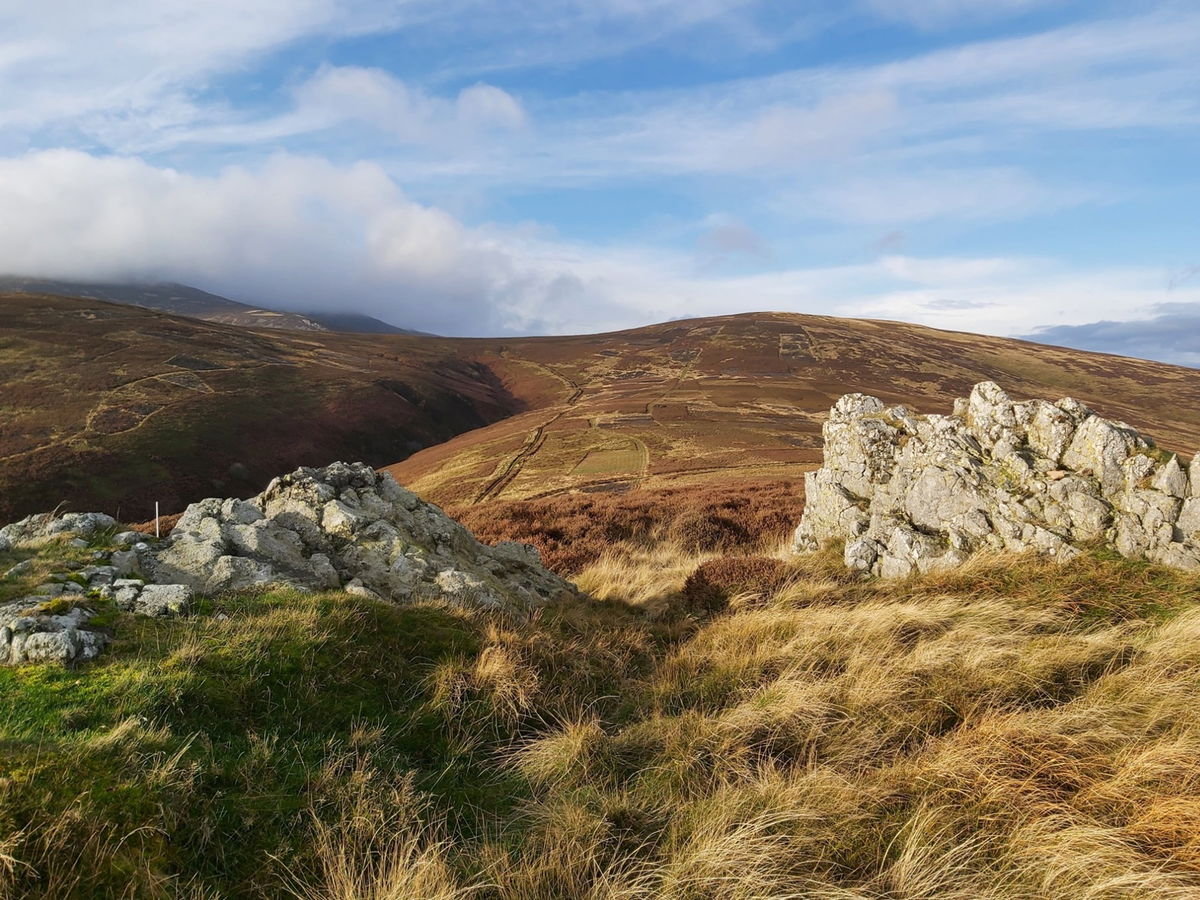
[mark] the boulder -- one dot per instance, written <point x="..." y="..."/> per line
<point x="918" y="493"/>
<point x="41" y="527"/>
<point x="28" y="634"/>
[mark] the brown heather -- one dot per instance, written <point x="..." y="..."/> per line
<point x="573" y="531"/>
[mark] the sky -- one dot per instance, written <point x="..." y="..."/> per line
<point x="1010" y="167"/>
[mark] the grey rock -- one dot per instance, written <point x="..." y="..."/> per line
<point x="21" y="568"/>
<point x="42" y="527"/>
<point x="317" y="528"/>
<point x="163" y="600"/>
<point x="914" y="494"/>
<point x="99" y="575"/>
<point x="356" y="587"/>
<point x="1172" y="479"/>
<point x="28" y="635"/>
<point x="129" y="538"/>
<point x="1099" y="448"/>
<point x="125" y="562"/>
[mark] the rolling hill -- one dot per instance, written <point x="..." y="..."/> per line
<point x="112" y="407"/>
<point x="183" y="300"/>
<point x="742" y="398"/>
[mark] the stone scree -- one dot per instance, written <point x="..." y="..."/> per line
<point x="912" y="493"/>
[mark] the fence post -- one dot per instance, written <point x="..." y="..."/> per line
<point x="156" y="532"/>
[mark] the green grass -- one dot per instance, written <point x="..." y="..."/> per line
<point x="1000" y="731"/>
<point x="247" y="710"/>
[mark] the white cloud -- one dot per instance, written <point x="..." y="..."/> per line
<point x="348" y="97"/>
<point x="939" y="13"/>
<point x="304" y="233"/>
<point x="825" y="133"/>
<point x="123" y="72"/>
<point x="292" y="231"/>
<point x="980" y="194"/>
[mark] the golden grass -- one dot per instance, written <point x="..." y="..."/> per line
<point x="1010" y="730"/>
<point x="1004" y="731"/>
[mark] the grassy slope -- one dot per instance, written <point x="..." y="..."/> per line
<point x="1008" y="730"/>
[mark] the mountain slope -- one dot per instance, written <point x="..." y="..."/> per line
<point x="113" y="407"/>
<point x="743" y="398"/>
<point x="180" y="299"/>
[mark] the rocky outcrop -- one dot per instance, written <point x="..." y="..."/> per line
<point x="42" y="527"/>
<point x="345" y="526"/>
<point x="911" y="493"/>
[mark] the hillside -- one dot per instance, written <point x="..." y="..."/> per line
<point x="183" y="300"/>
<point x="113" y="407"/>
<point x="764" y="729"/>
<point x="743" y="398"/>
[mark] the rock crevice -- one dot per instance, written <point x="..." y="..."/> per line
<point x="909" y="493"/>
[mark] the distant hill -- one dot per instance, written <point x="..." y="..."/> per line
<point x="183" y="300"/>
<point x="108" y="405"/>
<point x="704" y="402"/>
<point x="356" y="323"/>
<point x="112" y="407"/>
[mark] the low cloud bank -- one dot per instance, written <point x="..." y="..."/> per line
<point x="1172" y="335"/>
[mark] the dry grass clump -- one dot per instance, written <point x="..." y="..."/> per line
<point x="714" y="583"/>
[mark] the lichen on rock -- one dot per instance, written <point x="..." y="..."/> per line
<point x="343" y="526"/>
<point x="913" y="493"/>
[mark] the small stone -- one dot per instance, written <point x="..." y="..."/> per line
<point x="163" y="600"/>
<point x="358" y="589"/>
<point x="129" y="538"/>
<point x="21" y="568"/>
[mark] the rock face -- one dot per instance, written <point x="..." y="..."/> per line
<point x="914" y="493"/>
<point x="344" y="526"/>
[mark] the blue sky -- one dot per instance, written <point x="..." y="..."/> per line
<point x="472" y="167"/>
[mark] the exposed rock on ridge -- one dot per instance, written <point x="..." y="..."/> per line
<point x="917" y="493"/>
<point x="343" y="526"/>
<point x="346" y="526"/>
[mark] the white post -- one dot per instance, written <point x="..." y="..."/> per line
<point x="156" y="534"/>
